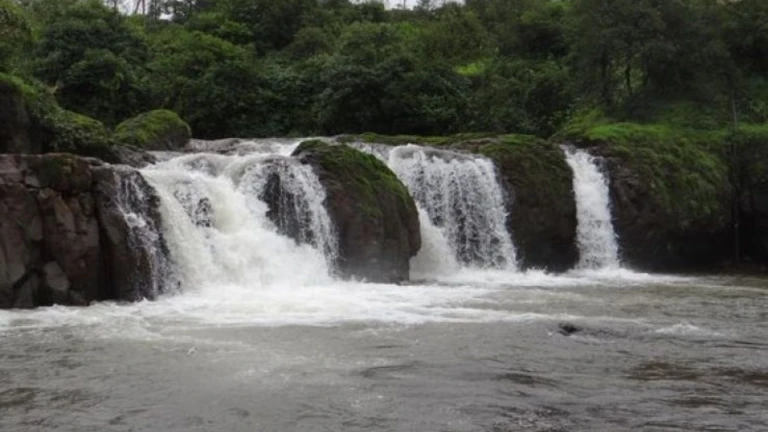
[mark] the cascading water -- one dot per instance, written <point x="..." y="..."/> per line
<point x="462" y="209"/>
<point x="134" y="204"/>
<point x="218" y="228"/>
<point x="597" y="239"/>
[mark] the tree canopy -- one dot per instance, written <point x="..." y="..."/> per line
<point x="305" y="67"/>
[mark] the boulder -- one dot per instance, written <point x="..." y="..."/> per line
<point x="374" y="215"/>
<point x="154" y="130"/>
<point x="48" y="231"/>
<point x="670" y="196"/>
<point x="63" y="240"/>
<point x="540" y="200"/>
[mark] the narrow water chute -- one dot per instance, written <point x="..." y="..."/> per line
<point x="598" y="245"/>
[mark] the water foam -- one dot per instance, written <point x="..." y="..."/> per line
<point x="218" y="231"/>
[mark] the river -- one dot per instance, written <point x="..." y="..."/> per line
<point x="482" y="352"/>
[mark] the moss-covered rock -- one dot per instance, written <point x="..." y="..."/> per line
<point x="373" y="212"/>
<point x="42" y="126"/>
<point x="537" y="181"/>
<point x="670" y="192"/>
<point x="541" y="206"/>
<point x="78" y="134"/>
<point x="538" y="185"/>
<point x="154" y="130"/>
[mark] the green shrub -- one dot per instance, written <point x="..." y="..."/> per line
<point x="154" y="130"/>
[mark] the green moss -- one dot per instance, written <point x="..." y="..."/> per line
<point x="157" y="130"/>
<point x="58" y="129"/>
<point x="75" y="133"/>
<point x="534" y="165"/>
<point x="369" y="176"/>
<point x="686" y="168"/>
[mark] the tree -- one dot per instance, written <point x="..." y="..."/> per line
<point x="94" y="58"/>
<point x="15" y="34"/>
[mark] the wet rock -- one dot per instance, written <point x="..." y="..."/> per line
<point x="56" y="282"/>
<point x="132" y="243"/>
<point x="540" y="200"/>
<point x="659" y="227"/>
<point x="131" y="156"/>
<point x="373" y="212"/>
<point x="26" y="291"/>
<point x="62" y="238"/>
<point x="567" y="329"/>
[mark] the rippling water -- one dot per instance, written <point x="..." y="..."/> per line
<point x="481" y="351"/>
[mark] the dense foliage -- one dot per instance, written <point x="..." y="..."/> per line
<point x="305" y="67"/>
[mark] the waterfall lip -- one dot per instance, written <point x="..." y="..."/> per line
<point x="241" y="146"/>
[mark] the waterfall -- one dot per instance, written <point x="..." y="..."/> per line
<point x="222" y="230"/>
<point x="462" y="207"/>
<point x="435" y="256"/>
<point x="597" y="239"/>
<point x="127" y="207"/>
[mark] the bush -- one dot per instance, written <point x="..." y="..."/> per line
<point x="154" y="130"/>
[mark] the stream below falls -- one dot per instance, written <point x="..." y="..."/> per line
<point x="479" y="351"/>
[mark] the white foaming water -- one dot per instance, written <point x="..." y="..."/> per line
<point x="435" y="258"/>
<point x="597" y="239"/>
<point x="686" y="329"/>
<point x="461" y="199"/>
<point x="218" y="231"/>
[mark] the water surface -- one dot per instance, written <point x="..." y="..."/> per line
<point x="479" y="351"/>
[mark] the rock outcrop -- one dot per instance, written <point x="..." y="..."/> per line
<point x="32" y="122"/>
<point x="374" y="215"/>
<point x="154" y="130"/>
<point x="540" y="201"/>
<point x="62" y="238"/>
<point x="538" y="186"/>
<point x="671" y="199"/>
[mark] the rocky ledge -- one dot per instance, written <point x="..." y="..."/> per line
<point x="64" y="238"/>
<point x="375" y="217"/>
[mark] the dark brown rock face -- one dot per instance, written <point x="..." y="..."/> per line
<point x="654" y="237"/>
<point x="374" y="215"/>
<point x="134" y="249"/>
<point x="62" y="241"/>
